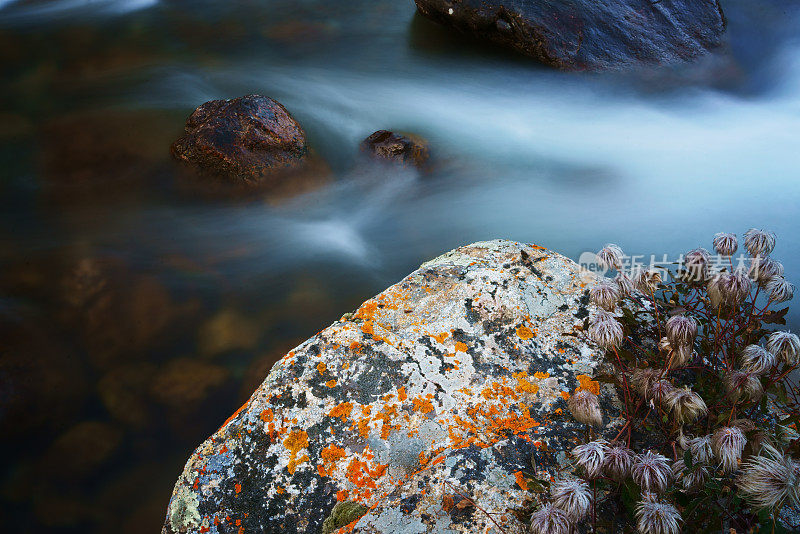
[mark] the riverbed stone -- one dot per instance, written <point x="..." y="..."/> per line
<point x="404" y="149"/>
<point x="588" y="34"/>
<point x="438" y="400"/>
<point x="246" y="141"/>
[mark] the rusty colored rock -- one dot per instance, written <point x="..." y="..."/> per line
<point x="588" y="34"/>
<point x="406" y="149"/>
<point x="457" y="373"/>
<point x="247" y="141"/>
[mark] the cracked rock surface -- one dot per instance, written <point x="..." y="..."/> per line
<point x="588" y="34"/>
<point x="451" y="383"/>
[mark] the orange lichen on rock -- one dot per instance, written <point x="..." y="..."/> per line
<point x="330" y="457"/>
<point x="587" y="384"/>
<point x="541" y="376"/>
<point x="461" y="347"/>
<point x="321" y="367"/>
<point x="422" y="405"/>
<point x="342" y="411"/>
<point x="521" y="482"/>
<point x="441" y="337"/>
<point x="401" y="394"/>
<point x="267" y="415"/>
<point x="524" y="385"/>
<point x="525" y="333"/>
<point x="296" y="441"/>
<point x="331" y="383"/>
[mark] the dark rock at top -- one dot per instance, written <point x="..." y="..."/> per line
<point x="405" y="149"/>
<point x="247" y="141"/>
<point x="588" y="34"/>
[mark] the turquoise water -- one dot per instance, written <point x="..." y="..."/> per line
<point x="118" y="284"/>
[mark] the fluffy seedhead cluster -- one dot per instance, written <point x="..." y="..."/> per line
<point x="705" y="376"/>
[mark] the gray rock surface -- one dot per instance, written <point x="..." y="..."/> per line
<point x="448" y="387"/>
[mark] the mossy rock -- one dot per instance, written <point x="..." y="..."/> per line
<point x="343" y="514"/>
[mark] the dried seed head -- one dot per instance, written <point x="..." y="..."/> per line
<point x="758" y="360"/>
<point x="610" y="257"/>
<point x="572" y="495"/>
<point x="780" y="289"/>
<point x="786" y="346"/>
<point x="728" y="442"/>
<point x="653" y="517"/>
<point x="763" y="269"/>
<point x="624" y="284"/>
<point x="691" y="479"/>
<point x="726" y="244"/>
<point x="758" y="242"/>
<point x="585" y="408"/>
<point x="550" y="520"/>
<point x="660" y="390"/>
<point x="642" y="380"/>
<point x="591" y="456"/>
<point x="686" y="406"/>
<point x="648" y="280"/>
<point x="681" y="330"/>
<point x="618" y="462"/>
<point x="680" y="356"/>
<point x="605" y="294"/>
<point x="738" y="285"/>
<point x="742" y="385"/>
<point x="651" y="471"/>
<point x="606" y="331"/>
<point x="664" y="345"/>
<point x="700" y="449"/>
<point x="767" y="481"/>
<point x="696" y="264"/>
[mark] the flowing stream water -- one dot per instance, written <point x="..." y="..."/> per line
<point x="140" y="315"/>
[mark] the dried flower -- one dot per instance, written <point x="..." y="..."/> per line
<point x="726" y="244"/>
<point x="573" y="497"/>
<point x="605" y="294"/>
<point x="610" y="257"/>
<point x="691" y="480"/>
<point x="659" y="390"/>
<point x="758" y="360"/>
<point x="767" y="481"/>
<point x="680" y="356"/>
<point x="648" y="280"/>
<point x="681" y="330"/>
<point x="618" y="462"/>
<point x="738" y="285"/>
<point x="786" y="346"/>
<point x="651" y="472"/>
<point x="550" y="520"/>
<point x="780" y="289"/>
<point x="739" y="384"/>
<point x="728" y="443"/>
<point x="653" y="517"/>
<point x="664" y="345"/>
<point x="696" y="265"/>
<point x="763" y="269"/>
<point x="624" y="284"/>
<point x="606" y="331"/>
<point x="700" y="449"/>
<point x="591" y="456"/>
<point x="686" y="405"/>
<point x="642" y="380"/>
<point x="585" y="408"/>
<point x="759" y="242"/>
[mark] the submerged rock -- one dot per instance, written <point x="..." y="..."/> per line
<point x="449" y="384"/>
<point x="398" y="148"/>
<point x="248" y="141"/>
<point x="588" y="34"/>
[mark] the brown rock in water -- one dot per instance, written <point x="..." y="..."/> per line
<point x="184" y="382"/>
<point x="251" y="141"/>
<point x="124" y="392"/>
<point x="81" y="450"/>
<point x="588" y="34"/>
<point x="405" y="149"/>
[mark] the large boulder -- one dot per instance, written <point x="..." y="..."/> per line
<point x="435" y="402"/>
<point x="249" y="141"/>
<point x="588" y="34"/>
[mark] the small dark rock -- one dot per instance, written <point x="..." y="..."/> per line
<point x="245" y="141"/>
<point x="586" y="34"/>
<point x="405" y="149"/>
